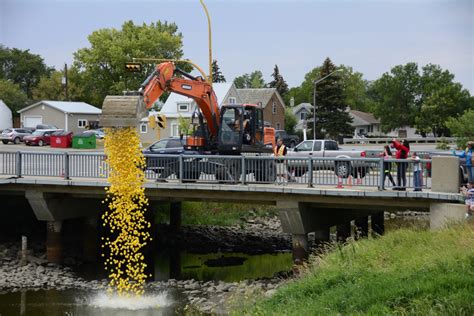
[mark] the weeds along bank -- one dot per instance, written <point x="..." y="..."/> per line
<point x="405" y="272"/>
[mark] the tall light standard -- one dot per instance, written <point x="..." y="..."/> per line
<point x="314" y="99"/>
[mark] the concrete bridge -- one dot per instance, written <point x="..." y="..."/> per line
<point x="302" y="208"/>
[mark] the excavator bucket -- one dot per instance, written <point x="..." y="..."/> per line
<point x="122" y="111"/>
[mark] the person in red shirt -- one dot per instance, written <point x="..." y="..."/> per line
<point x="403" y="148"/>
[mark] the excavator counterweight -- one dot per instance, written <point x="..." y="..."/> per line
<point x="122" y="111"/>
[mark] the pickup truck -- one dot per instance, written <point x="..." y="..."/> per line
<point x="328" y="149"/>
<point x="290" y="141"/>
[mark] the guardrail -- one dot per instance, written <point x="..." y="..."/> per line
<point x="339" y="172"/>
<point x="387" y="140"/>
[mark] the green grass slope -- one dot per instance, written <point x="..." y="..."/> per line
<point x="406" y="272"/>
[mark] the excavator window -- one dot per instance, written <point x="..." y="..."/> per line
<point x="231" y="126"/>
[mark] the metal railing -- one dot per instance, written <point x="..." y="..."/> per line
<point x="308" y="171"/>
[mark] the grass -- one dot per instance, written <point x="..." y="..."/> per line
<point x="218" y="214"/>
<point x="406" y="272"/>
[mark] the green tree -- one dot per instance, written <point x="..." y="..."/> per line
<point x="217" y="75"/>
<point x="331" y="116"/>
<point x="253" y="80"/>
<point x="397" y="96"/>
<point x="461" y="127"/>
<point x="355" y="89"/>
<point x="184" y="125"/>
<point x="278" y="82"/>
<point x="103" y="63"/>
<point x="13" y="96"/>
<point x="52" y="88"/>
<point x="290" y="121"/>
<point x="441" y="99"/>
<point x="22" y="67"/>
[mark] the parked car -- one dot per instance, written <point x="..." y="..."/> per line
<point x="99" y="134"/>
<point x="14" y="135"/>
<point x="327" y="148"/>
<point x="40" y="137"/>
<point x="46" y="126"/>
<point x="289" y="140"/>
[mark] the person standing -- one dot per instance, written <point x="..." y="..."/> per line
<point x="417" y="175"/>
<point x="469" y="155"/>
<point x="387" y="166"/>
<point x="403" y="148"/>
<point x="279" y="151"/>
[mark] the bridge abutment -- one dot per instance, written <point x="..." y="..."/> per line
<point x="443" y="214"/>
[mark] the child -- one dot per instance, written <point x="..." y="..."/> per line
<point x="417" y="177"/>
<point x="469" y="194"/>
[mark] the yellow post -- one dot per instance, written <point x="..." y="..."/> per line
<point x="210" y="41"/>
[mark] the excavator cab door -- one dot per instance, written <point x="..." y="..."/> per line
<point x="231" y="130"/>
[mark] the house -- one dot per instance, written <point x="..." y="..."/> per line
<point x="5" y="116"/>
<point x="302" y="113"/>
<point x="66" y="115"/>
<point x="365" y="123"/>
<point x="271" y="102"/>
<point x="177" y="106"/>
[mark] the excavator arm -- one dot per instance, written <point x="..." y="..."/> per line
<point x="127" y="111"/>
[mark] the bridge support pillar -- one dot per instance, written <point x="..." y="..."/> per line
<point x="53" y="241"/>
<point x="362" y="227"/>
<point x="378" y="225"/>
<point x="90" y="246"/>
<point x="300" y="247"/>
<point x="343" y="231"/>
<point x="175" y="216"/>
<point x="443" y="214"/>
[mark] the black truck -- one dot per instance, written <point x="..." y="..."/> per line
<point x="289" y="140"/>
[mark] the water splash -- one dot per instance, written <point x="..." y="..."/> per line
<point x="147" y="301"/>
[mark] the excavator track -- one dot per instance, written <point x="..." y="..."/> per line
<point x="122" y="111"/>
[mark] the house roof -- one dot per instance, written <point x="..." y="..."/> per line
<point x="364" y="116"/>
<point x="253" y="96"/>
<point x="221" y="90"/>
<point x="67" y="107"/>
<point x="307" y="106"/>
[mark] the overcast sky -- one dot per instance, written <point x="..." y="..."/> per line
<point x="371" y="36"/>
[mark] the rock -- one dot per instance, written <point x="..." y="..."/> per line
<point x="40" y="270"/>
<point x="270" y="293"/>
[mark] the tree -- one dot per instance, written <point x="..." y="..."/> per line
<point x="290" y="121"/>
<point x="397" y="96"/>
<point x="52" y="88"/>
<point x="355" y="89"/>
<point x="250" y="81"/>
<point x="103" y="63"/>
<point x="441" y="98"/>
<point x="278" y="82"/>
<point x="461" y="127"/>
<point x="217" y="75"/>
<point x="22" y="68"/>
<point x="184" y="125"/>
<point x="12" y="95"/>
<point x="331" y="116"/>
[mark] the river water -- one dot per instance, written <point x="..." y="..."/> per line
<point x="167" y="264"/>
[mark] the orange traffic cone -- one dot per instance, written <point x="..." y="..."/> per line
<point x="349" y="181"/>
<point x="339" y="183"/>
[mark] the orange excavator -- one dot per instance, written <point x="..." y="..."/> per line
<point x="231" y="130"/>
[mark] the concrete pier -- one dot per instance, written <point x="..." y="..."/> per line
<point x="362" y="227"/>
<point x="343" y="231"/>
<point x="53" y="241"/>
<point x="300" y="247"/>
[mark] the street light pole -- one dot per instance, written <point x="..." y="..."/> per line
<point x="314" y="99"/>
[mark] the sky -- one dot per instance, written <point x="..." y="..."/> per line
<point x="372" y="36"/>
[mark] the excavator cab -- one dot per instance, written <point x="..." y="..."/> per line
<point x="241" y="129"/>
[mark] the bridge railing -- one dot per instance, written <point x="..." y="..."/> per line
<point x="338" y="172"/>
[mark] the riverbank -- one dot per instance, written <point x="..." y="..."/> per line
<point x="405" y="272"/>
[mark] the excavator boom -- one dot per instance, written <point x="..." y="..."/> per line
<point x="127" y="111"/>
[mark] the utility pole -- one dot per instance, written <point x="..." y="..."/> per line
<point x="65" y="82"/>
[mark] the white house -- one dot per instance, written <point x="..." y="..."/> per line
<point x="365" y="124"/>
<point x="5" y="116"/>
<point x="303" y="114"/>
<point x="177" y="106"/>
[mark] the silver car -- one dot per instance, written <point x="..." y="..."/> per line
<point x="14" y="135"/>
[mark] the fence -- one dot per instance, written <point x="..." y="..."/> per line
<point x="338" y="172"/>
